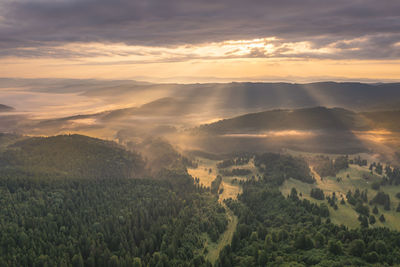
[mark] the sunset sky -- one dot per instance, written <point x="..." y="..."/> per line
<point x="197" y="41"/>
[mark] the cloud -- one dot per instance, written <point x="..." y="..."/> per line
<point x="361" y="29"/>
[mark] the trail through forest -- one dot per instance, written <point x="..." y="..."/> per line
<point x="225" y="239"/>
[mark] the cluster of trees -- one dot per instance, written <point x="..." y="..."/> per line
<point x="276" y="168"/>
<point x="357" y="197"/>
<point x="235" y="172"/>
<point x="324" y="166"/>
<point x="359" y="200"/>
<point x="383" y="199"/>
<point x="392" y="175"/>
<point x="359" y="161"/>
<point x="241" y="159"/>
<point x="377" y="167"/>
<point x="216" y="184"/>
<point x="332" y="200"/>
<point x="317" y="193"/>
<point x="278" y="231"/>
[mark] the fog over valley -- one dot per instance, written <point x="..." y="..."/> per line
<point x="240" y="116"/>
<point x="197" y="133"/>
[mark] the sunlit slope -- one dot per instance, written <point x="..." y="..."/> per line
<point x="317" y="118"/>
<point x="352" y="178"/>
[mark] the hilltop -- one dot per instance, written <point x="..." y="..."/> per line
<point x="70" y="156"/>
<point x="315" y="118"/>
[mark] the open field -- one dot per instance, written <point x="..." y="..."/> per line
<point x="230" y="189"/>
<point x="346" y="214"/>
<point x="203" y="171"/>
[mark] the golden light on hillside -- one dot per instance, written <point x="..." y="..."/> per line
<point x="377" y="136"/>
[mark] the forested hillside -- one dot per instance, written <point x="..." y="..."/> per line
<point x="104" y="222"/>
<point x="276" y="168"/>
<point x="77" y="201"/>
<point x="316" y="118"/>
<point x="299" y="119"/>
<point x="73" y="200"/>
<point x="73" y="156"/>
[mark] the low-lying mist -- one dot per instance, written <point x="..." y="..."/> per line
<point x="194" y="116"/>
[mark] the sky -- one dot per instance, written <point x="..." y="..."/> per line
<point x="201" y="40"/>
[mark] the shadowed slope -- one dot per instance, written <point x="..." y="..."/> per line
<point x="318" y="118"/>
<point x="74" y="156"/>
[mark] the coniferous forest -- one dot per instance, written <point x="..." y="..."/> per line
<point x="192" y="133"/>
<point x="72" y="200"/>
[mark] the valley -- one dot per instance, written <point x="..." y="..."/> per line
<point x="188" y="133"/>
<point x="144" y="186"/>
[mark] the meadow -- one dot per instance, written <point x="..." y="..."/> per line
<point x="351" y="179"/>
<point x="207" y="171"/>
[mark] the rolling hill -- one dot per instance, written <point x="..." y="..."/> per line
<point x="252" y="96"/>
<point x="69" y="156"/>
<point x="147" y="106"/>
<point x="316" y="118"/>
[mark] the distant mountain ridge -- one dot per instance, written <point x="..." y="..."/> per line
<point x="231" y="99"/>
<point x="255" y="96"/>
<point x="147" y="107"/>
<point x="244" y="96"/>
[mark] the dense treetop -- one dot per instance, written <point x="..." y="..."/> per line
<point x="73" y="156"/>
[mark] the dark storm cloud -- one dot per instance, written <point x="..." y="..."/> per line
<point x="49" y="23"/>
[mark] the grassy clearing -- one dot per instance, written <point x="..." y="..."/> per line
<point x="202" y="172"/>
<point x="250" y="166"/>
<point x="346" y="214"/>
<point x="230" y="191"/>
